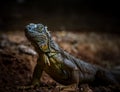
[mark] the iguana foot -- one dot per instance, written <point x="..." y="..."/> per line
<point x="69" y="88"/>
<point x="26" y="87"/>
<point x="33" y="85"/>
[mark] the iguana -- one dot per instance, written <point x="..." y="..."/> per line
<point x="60" y="65"/>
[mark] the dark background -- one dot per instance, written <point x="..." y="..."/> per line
<point x="80" y="15"/>
<point x="96" y="39"/>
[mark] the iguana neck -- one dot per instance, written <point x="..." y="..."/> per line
<point x="53" y="48"/>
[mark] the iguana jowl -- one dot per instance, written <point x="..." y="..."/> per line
<point x="61" y="66"/>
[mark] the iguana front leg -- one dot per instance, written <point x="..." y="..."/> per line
<point x="38" y="71"/>
<point x="75" y="75"/>
<point x="36" y="74"/>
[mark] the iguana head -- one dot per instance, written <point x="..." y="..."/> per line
<point x="38" y="35"/>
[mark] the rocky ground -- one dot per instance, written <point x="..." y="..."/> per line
<point x="18" y="58"/>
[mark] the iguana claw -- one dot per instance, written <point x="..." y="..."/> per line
<point x="26" y="87"/>
<point x="31" y="86"/>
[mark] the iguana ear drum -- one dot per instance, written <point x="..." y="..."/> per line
<point x="44" y="48"/>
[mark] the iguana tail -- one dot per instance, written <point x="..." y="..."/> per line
<point x="116" y="72"/>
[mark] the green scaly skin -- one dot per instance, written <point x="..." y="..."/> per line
<point x="60" y="65"/>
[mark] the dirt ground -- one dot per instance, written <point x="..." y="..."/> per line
<point x="18" y="58"/>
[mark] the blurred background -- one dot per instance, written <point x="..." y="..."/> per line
<point x="77" y="15"/>
<point x="87" y="29"/>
